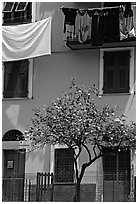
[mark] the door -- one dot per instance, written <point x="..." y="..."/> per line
<point x="116" y="167"/>
<point x="13" y="178"/>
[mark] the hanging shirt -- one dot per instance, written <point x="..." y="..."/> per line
<point x="83" y="26"/>
<point x="70" y="15"/>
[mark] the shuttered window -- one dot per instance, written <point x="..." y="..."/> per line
<point x="116" y="72"/>
<point x="64" y="166"/>
<point x="16" y="79"/>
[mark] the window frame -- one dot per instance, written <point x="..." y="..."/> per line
<point x="33" y="13"/>
<point x="65" y="182"/>
<point x="30" y="82"/>
<point x="14" y="15"/>
<point x="5" y="3"/>
<point x="131" y="70"/>
<point x="21" y="9"/>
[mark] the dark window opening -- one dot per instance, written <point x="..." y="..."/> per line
<point x="21" y="6"/>
<point x="17" y="12"/>
<point x="116" y="72"/>
<point x="13" y="135"/>
<point x="8" y="7"/>
<point x="16" y="79"/>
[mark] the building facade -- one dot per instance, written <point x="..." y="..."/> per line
<point x="76" y="51"/>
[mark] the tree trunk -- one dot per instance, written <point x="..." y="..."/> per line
<point x="77" y="193"/>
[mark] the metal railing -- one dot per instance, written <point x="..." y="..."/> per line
<point x="31" y="188"/>
<point x="40" y="187"/>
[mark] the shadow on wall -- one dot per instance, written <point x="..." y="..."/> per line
<point x="38" y="160"/>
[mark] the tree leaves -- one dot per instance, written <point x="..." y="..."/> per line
<point x="75" y="119"/>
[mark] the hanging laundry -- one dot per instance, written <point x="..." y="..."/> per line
<point x="111" y="25"/>
<point x="26" y="40"/>
<point x="98" y="27"/>
<point x="69" y="21"/>
<point x="134" y="17"/>
<point x="83" y="26"/>
<point x="126" y="23"/>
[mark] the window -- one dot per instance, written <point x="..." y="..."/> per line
<point x="13" y="135"/>
<point x="116" y="70"/>
<point x="17" y="12"/>
<point x="64" y="165"/>
<point x="16" y="79"/>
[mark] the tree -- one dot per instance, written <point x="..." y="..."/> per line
<point x="76" y="121"/>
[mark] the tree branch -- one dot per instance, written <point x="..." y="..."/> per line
<point x="76" y="168"/>
<point x="77" y="155"/>
<point x="85" y="165"/>
<point x="94" y="150"/>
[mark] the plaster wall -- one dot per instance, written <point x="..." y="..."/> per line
<point x="51" y="76"/>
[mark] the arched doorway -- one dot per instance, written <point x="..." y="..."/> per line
<point x="13" y="167"/>
<point x="13" y="135"/>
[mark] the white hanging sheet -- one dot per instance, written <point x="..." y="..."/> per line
<point x="26" y="40"/>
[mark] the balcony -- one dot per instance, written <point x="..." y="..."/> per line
<point x="100" y="27"/>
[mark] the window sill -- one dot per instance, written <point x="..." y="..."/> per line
<point x="115" y="94"/>
<point x="8" y="99"/>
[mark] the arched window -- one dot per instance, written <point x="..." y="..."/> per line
<point x="13" y="135"/>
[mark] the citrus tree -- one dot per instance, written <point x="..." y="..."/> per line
<point x="75" y="120"/>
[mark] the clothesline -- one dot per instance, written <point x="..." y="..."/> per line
<point x="100" y="26"/>
<point x="100" y="8"/>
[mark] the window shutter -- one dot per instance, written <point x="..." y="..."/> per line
<point x="8" y="80"/>
<point x="116" y="72"/>
<point x="22" y="89"/>
<point x="109" y="72"/>
<point x="16" y="79"/>
<point x="123" y="61"/>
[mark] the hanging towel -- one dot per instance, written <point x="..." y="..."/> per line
<point x="26" y="41"/>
